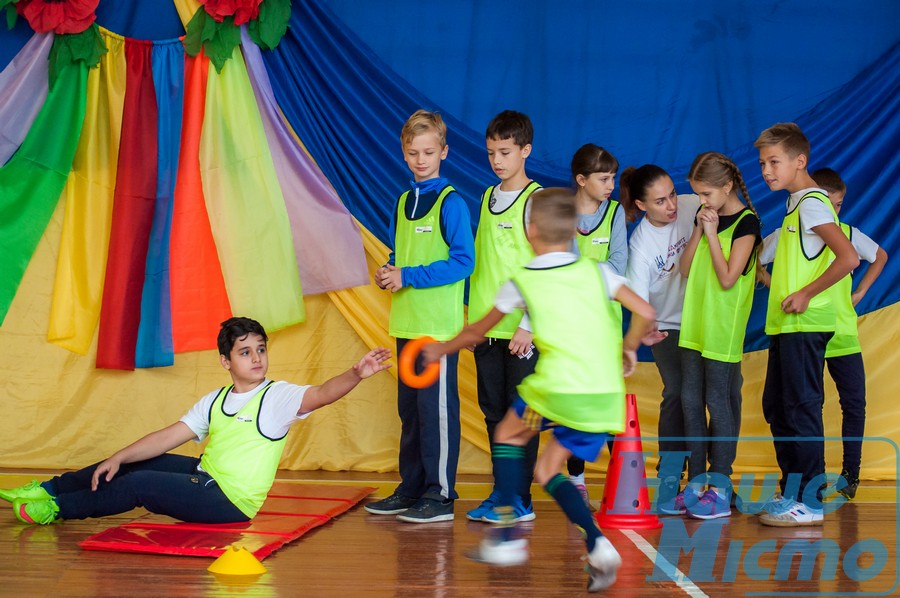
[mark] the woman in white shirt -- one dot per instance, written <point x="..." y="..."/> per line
<point x="654" y="252"/>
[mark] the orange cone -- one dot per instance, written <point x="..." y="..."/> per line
<point x="626" y="502"/>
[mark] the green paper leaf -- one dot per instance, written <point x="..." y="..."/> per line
<point x="87" y="47"/>
<point x="267" y="30"/>
<point x="192" y="33"/>
<point x="221" y="47"/>
<point x="11" y="14"/>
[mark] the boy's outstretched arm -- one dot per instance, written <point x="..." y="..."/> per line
<point x="845" y="260"/>
<point x="330" y="391"/>
<point x="150" y="446"/>
<point x="642" y="318"/>
<point x="468" y="336"/>
<point x="871" y="275"/>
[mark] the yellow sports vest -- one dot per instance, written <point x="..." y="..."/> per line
<point x="594" y="244"/>
<point x="578" y="380"/>
<point x="792" y="270"/>
<point x="846" y="337"/>
<point x="714" y="320"/>
<point x="432" y="311"/>
<point x="238" y="457"/>
<point x="501" y="248"/>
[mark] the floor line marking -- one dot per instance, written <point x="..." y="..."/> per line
<point x="681" y="580"/>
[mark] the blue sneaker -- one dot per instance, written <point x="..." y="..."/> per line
<point x="520" y="513"/>
<point x="484" y="508"/>
<point x="675" y="506"/>
<point x="711" y="505"/>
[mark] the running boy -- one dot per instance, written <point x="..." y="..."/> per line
<point x="433" y="254"/>
<point x="501" y="247"/>
<point x="843" y="354"/>
<point x="229" y="482"/>
<point x="577" y="389"/>
<point x="813" y="255"/>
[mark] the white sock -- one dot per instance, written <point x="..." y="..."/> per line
<point x="578" y="480"/>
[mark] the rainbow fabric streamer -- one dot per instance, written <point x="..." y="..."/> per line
<point x="186" y="200"/>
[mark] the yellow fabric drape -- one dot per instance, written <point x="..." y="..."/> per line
<point x="88" y="195"/>
<point x="246" y="207"/>
<point x="186" y="10"/>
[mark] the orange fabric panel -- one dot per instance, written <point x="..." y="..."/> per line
<point x="199" y="300"/>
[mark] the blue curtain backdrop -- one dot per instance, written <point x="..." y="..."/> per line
<point x="652" y="81"/>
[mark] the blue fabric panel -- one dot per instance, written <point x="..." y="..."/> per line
<point x="651" y="80"/>
<point x="154" y="342"/>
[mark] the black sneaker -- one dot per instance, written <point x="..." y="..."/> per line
<point x="428" y="510"/>
<point x="849" y="491"/>
<point x="393" y="504"/>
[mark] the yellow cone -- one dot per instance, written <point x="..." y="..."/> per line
<point x="237" y="560"/>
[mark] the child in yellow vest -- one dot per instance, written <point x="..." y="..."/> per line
<point x="577" y="389"/>
<point x="433" y="255"/>
<point x="843" y="354"/>
<point x="812" y="255"/>
<point x="230" y="481"/>
<point x="601" y="235"/>
<point x="501" y="247"/>
<point x="719" y="263"/>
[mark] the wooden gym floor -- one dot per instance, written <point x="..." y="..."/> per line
<point x="365" y="555"/>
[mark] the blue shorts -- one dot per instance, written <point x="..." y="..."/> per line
<point x="584" y="445"/>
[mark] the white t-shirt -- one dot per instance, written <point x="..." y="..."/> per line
<point x="865" y="247"/>
<point x="654" y="254"/>
<point x="813" y="213"/>
<point x="279" y="409"/>
<point x="509" y="297"/>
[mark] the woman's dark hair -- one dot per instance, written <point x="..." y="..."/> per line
<point x="633" y="185"/>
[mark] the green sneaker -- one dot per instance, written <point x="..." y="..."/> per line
<point x="30" y="491"/>
<point x="41" y="512"/>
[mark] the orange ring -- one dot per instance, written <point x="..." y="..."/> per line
<point x="407" y="364"/>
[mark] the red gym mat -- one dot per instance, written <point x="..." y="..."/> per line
<point x="290" y="511"/>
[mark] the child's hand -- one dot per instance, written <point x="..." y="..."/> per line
<point x="432" y="352"/>
<point x="110" y="467"/>
<point x="379" y="276"/>
<point x="372" y="362"/>
<point x="709" y="220"/>
<point x="629" y="362"/>
<point x="521" y="342"/>
<point x="391" y="278"/>
<point x="654" y="336"/>
<point x="795" y="303"/>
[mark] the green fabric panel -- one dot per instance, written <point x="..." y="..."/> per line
<point x="33" y="179"/>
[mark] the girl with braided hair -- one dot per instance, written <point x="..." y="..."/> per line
<point x="720" y="263"/>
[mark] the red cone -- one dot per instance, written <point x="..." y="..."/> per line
<point x="626" y="502"/>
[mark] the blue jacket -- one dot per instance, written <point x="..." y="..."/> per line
<point x="456" y="229"/>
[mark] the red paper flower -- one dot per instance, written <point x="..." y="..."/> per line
<point x="58" y="16"/>
<point x="243" y="10"/>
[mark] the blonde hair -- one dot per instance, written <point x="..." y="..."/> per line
<point x="788" y="135"/>
<point x="554" y="215"/>
<point x="422" y="122"/>
<point x="718" y="170"/>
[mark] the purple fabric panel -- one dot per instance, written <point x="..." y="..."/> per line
<point x="23" y="89"/>
<point x="327" y="241"/>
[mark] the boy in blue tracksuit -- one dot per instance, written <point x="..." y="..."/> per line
<point x="433" y="254"/>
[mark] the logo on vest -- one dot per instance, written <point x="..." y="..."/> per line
<point x="423" y="229"/>
<point x="244" y="418"/>
<point x="504" y="225"/>
<point x="792" y="229"/>
<point x="600" y="241"/>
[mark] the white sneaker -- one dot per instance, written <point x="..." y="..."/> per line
<point x="796" y="514"/>
<point x="603" y="564"/>
<point x="500" y="553"/>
